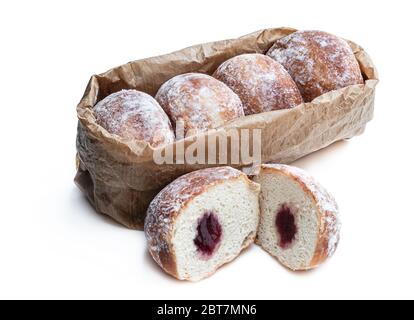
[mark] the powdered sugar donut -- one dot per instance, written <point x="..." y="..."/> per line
<point x="201" y="221"/>
<point x="199" y="102"/>
<point x="132" y="114"/>
<point x="318" y="62"/>
<point x="261" y="83"/>
<point x="299" y="222"/>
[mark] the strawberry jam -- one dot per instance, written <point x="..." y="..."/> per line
<point x="209" y="234"/>
<point x="285" y="226"/>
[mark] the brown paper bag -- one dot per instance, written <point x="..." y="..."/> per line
<point x="120" y="178"/>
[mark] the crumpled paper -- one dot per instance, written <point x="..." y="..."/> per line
<point x="120" y="178"/>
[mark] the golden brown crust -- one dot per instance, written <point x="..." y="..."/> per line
<point x="329" y="224"/>
<point x="317" y="61"/>
<point x="199" y="101"/>
<point x="171" y="201"/>
<point x="322" y="251"/>
<point x="134" y="115"/>
<point x="262" y="84"/>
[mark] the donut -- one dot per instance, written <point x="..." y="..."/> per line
<point x="134" y="115"/>
<point x="261" y="83"/>
<point x="199" y="102"/>
<point x="299" y="222"/>
<point x="318" y="62"/>
<point x="201" y="221"/>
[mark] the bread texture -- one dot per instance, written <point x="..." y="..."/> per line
<point x="134" y="115"/>
<point x="299" y="223"/>
<point x="199" y="102"/>
<point x="201" y="221"/>
<point x="262" y="84"/>
<point x="317" y="61"/>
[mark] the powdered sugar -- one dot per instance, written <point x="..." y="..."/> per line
<point x="318" y="62"/>
<point x="134" y="115"/>
<point x="333" y="226"/>
<point x="261" y="83"/>
<point x="165" y="207"/>
<point x="199" y="101"/>
<point x="325" y="201"/>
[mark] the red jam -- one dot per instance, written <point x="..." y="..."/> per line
<point x="285" y="226"/>
<point x="209" y="234"/>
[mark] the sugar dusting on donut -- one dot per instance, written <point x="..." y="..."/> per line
<point x="167" y="204"/>
<point x="199" y="101"/>
<point x="262" y="84"/>
<point x="324" y="200"/>
<point x="318" y="62"/>
<point x="134" y="115"/>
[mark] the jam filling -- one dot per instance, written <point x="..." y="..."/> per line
<point x="285" y="226"/>
<point x="209" y="234"/>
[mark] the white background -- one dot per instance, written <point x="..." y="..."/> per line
<point x="52" y="243"/>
